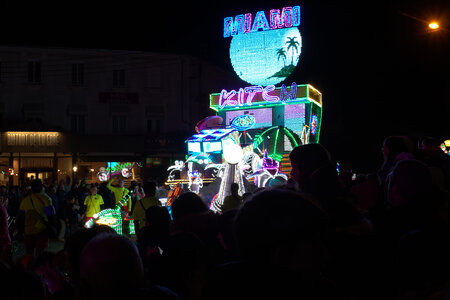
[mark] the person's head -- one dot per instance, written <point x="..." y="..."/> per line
<point x="158" y="217"/>
<point x="393" y="146"/>
<point x="107" y="259"/>
<point x="70" y="199"/>
<point x="121" y="182"/>
<point x="53" y="188"/>
<point x="188" y="203"/>
<point x="75" y="244"/>
<point x="431" y="146"/>
<point x="234" y="188"/>
<point x="37" y="186"/>
<point x="149" y="189"/>
<point x="93" y="189"/>
<point x="408" y="181"/>
<point x="306" y="159"/>
<point x="288" y="235"/>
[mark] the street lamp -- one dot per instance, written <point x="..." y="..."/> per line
<point x="433" y="25"/>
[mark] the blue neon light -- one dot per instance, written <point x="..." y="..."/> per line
<point x="260" y="22"/>
<point x="266" y="57"/>
<point x="210" y="135"/>
<point x="243" y="122"/>
<point x="314" y="123"/>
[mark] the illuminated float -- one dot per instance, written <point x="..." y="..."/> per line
<point x="256" y="126"/>
<point x="114" y="219"/>
<point x="445" y="146"/>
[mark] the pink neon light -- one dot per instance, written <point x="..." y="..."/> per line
<point x="268" y="97"/>
<point x="241" y="96"/>
<point x="275" y="20"/>
<point x="286" y="15"/>
<point x="247" y="23"/>
<point x="289" y="16"/>
<point x="227" y="96"/>
<point x="251" y="91"/>
<point x="260" y="22"/>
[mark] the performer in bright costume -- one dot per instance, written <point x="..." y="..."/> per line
<point x="93" y="203"/>
<point x="123" y="199"/>
<point x="120" y="192"/>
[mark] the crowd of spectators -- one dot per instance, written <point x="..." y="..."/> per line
<point x="324" y="234"/>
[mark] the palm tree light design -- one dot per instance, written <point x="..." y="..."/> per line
<point x="293" y="45"/>
<point x="282" y="54"/>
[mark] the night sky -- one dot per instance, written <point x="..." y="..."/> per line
<point x="380" y="70"/>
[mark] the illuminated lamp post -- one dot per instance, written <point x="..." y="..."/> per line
<point x="74" y="169"/>
<point x="233" y="154"/>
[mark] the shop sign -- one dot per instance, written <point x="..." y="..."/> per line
<point x="33" y="139"/>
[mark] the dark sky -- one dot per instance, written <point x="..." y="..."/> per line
<point x="381" y="72"/>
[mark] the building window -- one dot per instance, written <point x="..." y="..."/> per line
<point x="119" y="123"/>
<point x="77" y="74"/>
<point x="34" y="71"/>
<point x="77" y="124"/>
<point x="153" y="126"/>
<point x="118" y="78"/>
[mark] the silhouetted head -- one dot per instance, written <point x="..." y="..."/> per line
<point x="305" y="159"/>
<point x="110" y="267"/>
<point x="75" y="244"/>
<point x="149" y="189"/>
<point x="188" y="203"/>
<point x="281" y="227"/>
<point x="393" y="146"/>
<point x="234" y="188"/>
<point x="409" y="180"/>
<point x="158" y="217"/>
<point x="37" y="186"/>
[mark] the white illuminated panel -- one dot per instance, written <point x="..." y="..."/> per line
<point x="194" y="147"/>
<point x="212" y="146"/>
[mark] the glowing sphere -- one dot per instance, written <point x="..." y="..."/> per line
<point x="232" y="153"/>
<point x="266" y="57"/>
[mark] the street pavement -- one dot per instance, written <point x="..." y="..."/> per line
<point x="19" y="250"/>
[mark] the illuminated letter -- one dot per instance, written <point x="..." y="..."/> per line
<point x="225" y="100"/>
<point x="268" y="97"/>
<point x="247" y="23"/>
<point x="251" y="91"/>
<point x="286" y="15"/>
<point x="241" y="96"/>
<point x="260" y="22"/>
<point x="285" y="95"/>
<point x="232" y="29"/>
<point x="296" y="16"/>
<point x="275" y="20"/>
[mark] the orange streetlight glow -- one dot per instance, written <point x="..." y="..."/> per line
<point x="433" y="25"/>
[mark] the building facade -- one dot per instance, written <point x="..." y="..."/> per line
<point x="70" y="114"/>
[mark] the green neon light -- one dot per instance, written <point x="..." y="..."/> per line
<point x="276" y="141"/>
<point x="113" y="219"/>
<point x="258" y="138"/>
<point x="291" y="137"/>
<point x="276" y="156"/>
